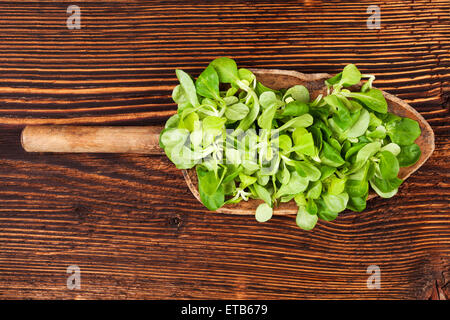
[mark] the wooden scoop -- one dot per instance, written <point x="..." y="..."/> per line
<point x="144" y="140"/>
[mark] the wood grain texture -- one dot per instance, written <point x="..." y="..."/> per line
<point x="92" y="139"/>
<point x="130" y="223"/>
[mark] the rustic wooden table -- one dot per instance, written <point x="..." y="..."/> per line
<point x="130" y="223"/>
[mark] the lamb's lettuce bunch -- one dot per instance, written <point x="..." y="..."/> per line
<point x="249" y="141"/>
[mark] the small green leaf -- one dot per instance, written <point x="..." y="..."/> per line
<point x="389" y="166"/>
<point x="246" y="180"/>
<point x="247" y="75"/>
<point x="315" y="190"/>
<point x="330" y="156"/>
<point x="311" y="207"/>
<point x="295" y="185"/>
<point x="207" y="83"/>
<point x="384" y="187"/>
<point x="336" y="203"/>
<point x="263" y="213"/>
<point x="170" y="137"/>
<point x="303" y="143"/>
<point x="357" y="188"/>
<point x="298" y="93"/>
<point x="213" y="124"/>
<point x="179" y="96"/>
<point x="350" y="76"/>
<point x="295" y="109"/>
<point x="236" y="111"/>
<point x="298" y="122"/>
<point x="306" y="170"/>
<point x="305" y="220"/>
<point x="211" y="191"/>
<point x="392" y="148"/>
<point x="284" y="142"/>
<point x="263" y="194"/>
<point x="267" y="99"/>
<point x="403" y="132"/>
<point x="409" y="155"/>
<point x="336" y="186"/>
<point x="226" y="69"/>
<point x="360" y="126"/>
<point x="188" y="87"/>
<point x="364" y="154"/>
<point x="173" y="121"/>
<point x="266" y="117"/>
<point x="357" y="204"/>
<point x="335" y="79"/>
<point x="372" y="99"/>
<point x="190" y="121"/>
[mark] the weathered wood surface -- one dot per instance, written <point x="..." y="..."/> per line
<point x="129" y="221"/>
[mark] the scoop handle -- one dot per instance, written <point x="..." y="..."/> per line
<point x="91" y="139"/>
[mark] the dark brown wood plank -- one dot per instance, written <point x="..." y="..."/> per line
<point x="129" y="221"/>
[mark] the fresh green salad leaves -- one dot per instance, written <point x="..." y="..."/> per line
<point x="249" y="141"/>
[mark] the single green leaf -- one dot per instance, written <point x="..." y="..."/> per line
<point x="357" y="204"/>
<point x="364" y="154"/>
<point x="336" y="185"/>
<point x="326" y="171"/>
<point x="386" y="188"/>
<point x="298" y="122"/>
<point x="303" y="143"/>
<point x="213" y="124"/>
<point x="315" y="190"/>
<point x="360" y="126"/>
<point x="372" y="99"/>
<point x="284" y="142"/>
<point x="262" y="193"/>
<point x="268" y="99"/>
<point x="409" y="155"/>
<point x="389" y="166"/>
<point x="246" y="180"/>
<point x="173" y="121"/>
<point x="336" y="203"/>
<point x="179" y="96"/>
<point x="324" y="212"/>
<point x="266" y="117"/>
<point x="295" y="185"/>
<point x="214" y="201"/>
<point x="236" y="111"/>
<point x="188" y="87"/>
<point x="306" y="170"/>
<point x="378" y="133"/>
<point x="263" y="212"/>
<point x="298" y="93"/>
<point x="330" y="156"/>
<point x="207" y="83"/>
<point x="403" y="132"/>
<point x="392" y="148"/>
<point x="170" y="137"/>
<point x="350" y="76"/>
<point x="247" y="75"/>
<point x="211" y="191"/>
<point x="226" y="69"/>
<point x="190" y="121"/>
<point x="305" y="220"/>
<point x="295" y="109"/>
<point x="335" y="79"/>
<point x="356" y="188"/>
